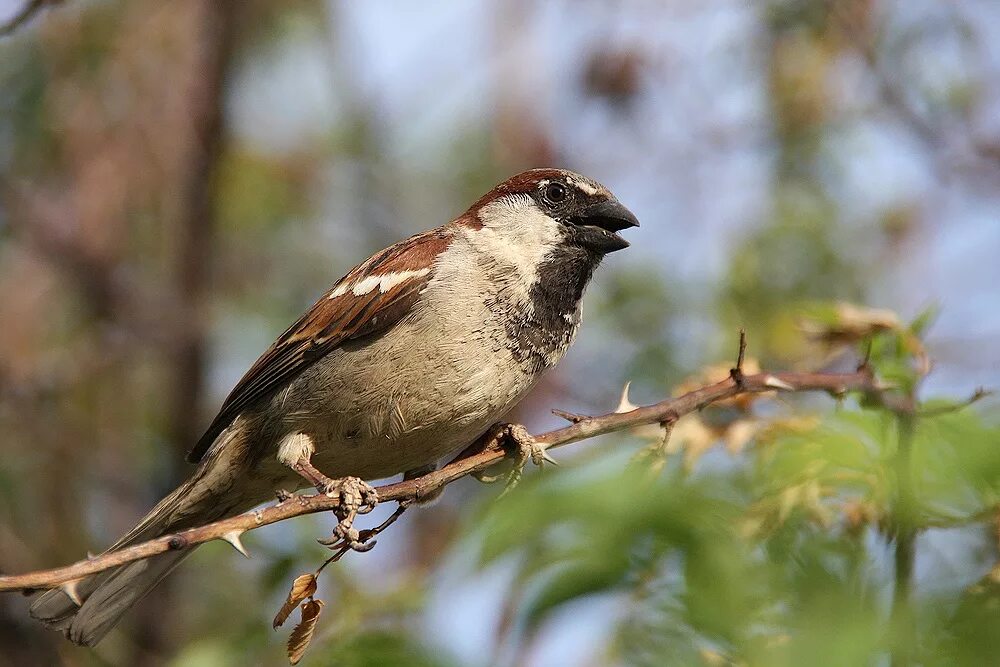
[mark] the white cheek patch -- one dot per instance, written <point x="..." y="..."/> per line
<point x="516" y="234"/>
<point x="384" y="283"/>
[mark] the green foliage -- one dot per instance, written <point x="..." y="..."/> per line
<point x="379" y="649"/>
<point x="258" y="194"/>
<point x="793" y="259"/>
<point x="640" y="311"/>
<point x="784" y="559"/>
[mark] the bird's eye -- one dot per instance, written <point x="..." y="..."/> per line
<point x="555" y="193"/>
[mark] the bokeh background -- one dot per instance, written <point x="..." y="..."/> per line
<point x="178" y="180"/>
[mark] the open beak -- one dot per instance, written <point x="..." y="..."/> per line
<point x="599" y="223"/>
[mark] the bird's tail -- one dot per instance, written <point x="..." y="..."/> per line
<point x="103" y="598"/>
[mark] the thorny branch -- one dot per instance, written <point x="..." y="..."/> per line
<point x="475" y="458"/>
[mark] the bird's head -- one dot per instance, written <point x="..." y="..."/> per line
<point x="553" y="207"/>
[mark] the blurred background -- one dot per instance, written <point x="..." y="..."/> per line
<point x="179" y="180"/>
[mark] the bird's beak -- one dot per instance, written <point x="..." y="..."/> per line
<point x="609" y="215"/>
<point x="599" y="223"/>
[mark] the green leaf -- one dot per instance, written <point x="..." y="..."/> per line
<point x="918" y="327"/>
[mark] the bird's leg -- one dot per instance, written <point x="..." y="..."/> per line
<point x="514" y="438"/>
<point x="356" y="496"/>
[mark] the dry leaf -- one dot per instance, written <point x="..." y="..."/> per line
<point x="712" y="658"/>
<point x="739" y="433"/>
<point x="849" y="323"/>
<point x="858" y="514"/>
<point x="303" y="632"/>
<point x="789" y="499"/>
<point x="302" y="588"/>
<point x="691" y="435"/>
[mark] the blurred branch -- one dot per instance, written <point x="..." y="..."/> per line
<point x="905" y="534"/>
<point x="477" y="457"/>
<point x="979" y="394"/>
<point x="933" y="134"/>
<point x="197" y="220"/>
<point x="53" y="233"/>
<point x="27" y="12"/>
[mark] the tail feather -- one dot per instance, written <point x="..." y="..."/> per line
<point x="106" y="596"/>
<point x="56" y="609"/>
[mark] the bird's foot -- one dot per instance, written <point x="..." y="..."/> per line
<point x="517" y="441"/>
<point x="358" y="540"/>
<point x="356" y="497"/>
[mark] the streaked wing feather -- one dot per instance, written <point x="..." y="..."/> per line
<point x="329" y="323"/>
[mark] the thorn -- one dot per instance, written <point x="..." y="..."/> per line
<point x="233" y="537"/>
<point x="980" y="393"/>
<point x="775" y="383"/>
<point x="838" y="393"/>
<point x="624" y="404"/>
<point x="571" y="417"/>
<point x="70" y="589"/>
<point x="548" y="459"/>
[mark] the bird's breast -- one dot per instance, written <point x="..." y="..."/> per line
<point x="469" y="350"/>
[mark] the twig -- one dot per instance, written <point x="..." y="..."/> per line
<point x="932" y="134"/>
<point x="866" y="362"/>
<point x="421" y="487"/>
<point x="904" y="531"/>
<point x="571" y="417"/>
<point x="979" y="394"/>
<point x="736" y="373"/>
<point x="654" y="456"/>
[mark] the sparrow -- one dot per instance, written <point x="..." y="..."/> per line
<point x="411" y="356"/>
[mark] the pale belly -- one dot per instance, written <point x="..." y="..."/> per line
<point x="379" y="409"/>
<point x="425" y="388"/>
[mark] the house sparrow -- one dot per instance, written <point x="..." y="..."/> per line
<point x="411" y="356"/>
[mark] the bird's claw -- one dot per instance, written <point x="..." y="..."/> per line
<point x="356" y="497"/>
<point x="349" y="538"/>
<point x="525" y="447"/>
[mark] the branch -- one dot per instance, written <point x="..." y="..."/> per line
<point x="474" y="459"/>
<point x="195" y="227"/>
<point x="979" y="394"/>
<point x="932" y="134"/>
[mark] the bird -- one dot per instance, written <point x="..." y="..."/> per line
<point x="413" y="355"/>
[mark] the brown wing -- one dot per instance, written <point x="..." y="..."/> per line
<point x="362" y="307"/>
